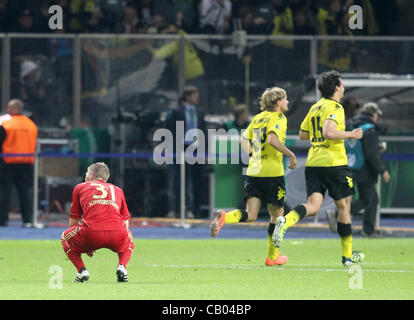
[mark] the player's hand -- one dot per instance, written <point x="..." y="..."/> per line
<point x="293" y="162"/>
<point x="386" y="176"/>
<point x="90" y="254"/>
<point x="357" y="133"/>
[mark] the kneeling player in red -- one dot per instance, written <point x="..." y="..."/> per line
<point x="104" y="223"/>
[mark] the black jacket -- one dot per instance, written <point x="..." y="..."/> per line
<point x="370" y="144"/>
<point x="178" y="114"/>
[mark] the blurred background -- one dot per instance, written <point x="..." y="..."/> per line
<point x="101" y="87"/>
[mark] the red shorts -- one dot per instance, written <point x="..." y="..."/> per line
<point x="83" y="240"/>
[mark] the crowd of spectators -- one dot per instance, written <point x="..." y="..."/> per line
<point x="304" y="17"/>
<point x="41" y="65"/>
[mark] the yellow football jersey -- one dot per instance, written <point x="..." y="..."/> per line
<point x="323" y="152"/>
<point x="265" y="161"/>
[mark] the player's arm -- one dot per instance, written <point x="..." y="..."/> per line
<point x="245" y="139"/>
<point x="275" y="142"/>
<point x="245" y="144"/>
<point x="303" y="135"/>
<point x="73" y="222"/>
<point x="330" y="132"/>
<point x="75" y="209"/>
<point x="125" y="215"/>
<point x="304" y="129"/>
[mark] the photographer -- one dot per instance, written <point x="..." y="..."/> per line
<point x="366" y="177"/>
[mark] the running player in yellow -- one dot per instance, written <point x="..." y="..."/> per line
<point x="264" y="141"/>
<point x="326" y="165"/>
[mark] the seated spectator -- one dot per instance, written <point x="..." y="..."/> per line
<point x="250" y="23"/>
<point x="161" y="25"/>
<point x="182" y="13"/>
<point x="334" y="21"/>
<point x="24" y="22"/>
<point x="281" y="50"/>
<point x="282" y="23"/>
<point x="130" y="22"/>
<point x="215" y="16"/>
<point x="33" y="91"/>
<point x="80" y="12"/>
<point x="26" y="48"/>
<point x="145" y="10"/>
<point x="95" y="23"/>
<point x="5" y="19"/>
<point x="61" y="53"/>
<point x="111" y="11"/>
<point x="302" y="25"/>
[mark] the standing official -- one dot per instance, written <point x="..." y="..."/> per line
<point x="18" y="135"/>
<point x="191" y="117"/>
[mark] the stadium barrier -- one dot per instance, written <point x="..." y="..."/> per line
<point x="115" y="73"/>
<point x="399" y="164"/>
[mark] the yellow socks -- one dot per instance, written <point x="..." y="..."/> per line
<point x="272" y="251"/>
<point x="233" y="216"/>
<point x="236" y="216"/>
<point x="345" y="232"/>
<point x="346" y="243"/>
<point x="298" y="213"/>
<point x="292" y="218"/>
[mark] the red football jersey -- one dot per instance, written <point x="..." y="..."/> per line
<point x="101" y="205"/>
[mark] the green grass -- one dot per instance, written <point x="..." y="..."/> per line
<point x="212" y="269"/>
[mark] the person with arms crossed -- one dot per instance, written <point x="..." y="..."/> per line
<point x="104" y="222"/>
<point x="264" y="141"/>
<point x="326" y="165"/>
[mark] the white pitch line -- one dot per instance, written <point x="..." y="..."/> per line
<point x="280" y="268"/>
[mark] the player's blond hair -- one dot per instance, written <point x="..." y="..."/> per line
<point x="99" y="170"/>
<point x="270" y="97"/>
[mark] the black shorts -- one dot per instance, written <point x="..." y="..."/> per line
<point x="267" y="189"/>
<point x="337" y="180"/>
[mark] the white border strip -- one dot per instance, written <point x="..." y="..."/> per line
<point x="298" y="267"/>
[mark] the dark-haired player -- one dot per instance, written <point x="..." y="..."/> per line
<point x="326" y="165"/>
<point x="104" y="224"/>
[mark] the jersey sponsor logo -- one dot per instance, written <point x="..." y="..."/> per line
<point x="320" y="146"/>
<point x="316" y="108"/>
<point x="262" y="120"/>
<point x="260" y="157"/>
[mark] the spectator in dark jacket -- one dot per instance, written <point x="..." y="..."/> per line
<point x="366" y="178"/>
<point x="191" y="117"/>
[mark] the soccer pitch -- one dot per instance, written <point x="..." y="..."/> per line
<point x="215" y="269"/>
